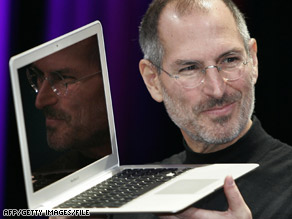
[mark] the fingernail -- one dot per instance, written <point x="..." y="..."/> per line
<point x="229" y="180"/>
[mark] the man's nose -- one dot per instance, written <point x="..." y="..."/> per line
<point x="214" y="83"/>
<point x="46" y="96"/>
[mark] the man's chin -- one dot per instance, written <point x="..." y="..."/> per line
<point x="220" y="130"/>
<point x="222" y="120"/>
<point x="56" y="144"/>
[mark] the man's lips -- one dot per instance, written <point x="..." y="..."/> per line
<point x="220" y="110"/>
<point x="53" y="122"/>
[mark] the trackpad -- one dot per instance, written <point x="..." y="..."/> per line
<point x="186" y="186"/>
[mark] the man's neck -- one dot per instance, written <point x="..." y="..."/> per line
<point x="204" y="148"/>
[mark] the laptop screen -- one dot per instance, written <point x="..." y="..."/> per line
<point x="65" y="112"/>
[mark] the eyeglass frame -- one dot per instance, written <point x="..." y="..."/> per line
<point x="203" y="70"/>
<point x="55" y="90"/>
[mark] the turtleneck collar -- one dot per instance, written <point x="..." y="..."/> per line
<point x="247" y="149"/>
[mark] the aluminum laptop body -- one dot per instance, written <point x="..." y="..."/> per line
<point x="40" y="160"/>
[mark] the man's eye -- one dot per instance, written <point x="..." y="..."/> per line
<point x="56" y="77"/>
<point x="189" y="69"/>
<point x="231" y="60"/>
<point x="62" y="78"/>
<point x="68" y="77"/>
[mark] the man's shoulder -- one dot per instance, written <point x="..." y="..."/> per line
<point x="279" y="154"/>
<point x="175" y="159"/>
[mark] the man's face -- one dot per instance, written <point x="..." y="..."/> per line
<point x="79" y="118"/>
<point x="215" y="112"/>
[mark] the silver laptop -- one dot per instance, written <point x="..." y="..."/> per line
<point x="68" y="141"/>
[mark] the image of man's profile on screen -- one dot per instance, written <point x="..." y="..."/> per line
<point x="70" y="94"/>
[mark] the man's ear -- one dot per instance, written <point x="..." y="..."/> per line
<point x="150" y="76"/>
<point x="253" y="49"/>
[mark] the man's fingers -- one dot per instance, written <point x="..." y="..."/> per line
<point x="195" y="213"/>
<point x="232" y="194"/>
<point x="236" y="202"/>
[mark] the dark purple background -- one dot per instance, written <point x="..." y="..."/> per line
<point x="144" y="132"/>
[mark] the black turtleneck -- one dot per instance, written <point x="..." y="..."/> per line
<point x="267" y="190"/>
<point x="248" y="149"/>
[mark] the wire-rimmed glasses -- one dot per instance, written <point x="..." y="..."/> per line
<point x="58" y="82"/>
<point x="192" y="74"/>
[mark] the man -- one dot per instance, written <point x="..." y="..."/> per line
<point x="70" y="93"/>
<point x="200" y="61"/>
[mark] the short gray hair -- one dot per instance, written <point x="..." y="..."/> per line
<point x="148" y="30"/>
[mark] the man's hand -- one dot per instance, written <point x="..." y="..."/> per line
<point x="237" y="206"/>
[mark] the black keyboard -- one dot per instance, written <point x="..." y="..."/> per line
<point x="122" y="188"/>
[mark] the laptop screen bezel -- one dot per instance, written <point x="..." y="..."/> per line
<point x="36" y="199"/>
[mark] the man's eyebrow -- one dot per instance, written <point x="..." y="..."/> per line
<point x="234" y="51"/>
<point x="182" y="62"/>
<point x="60" y="71"/>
